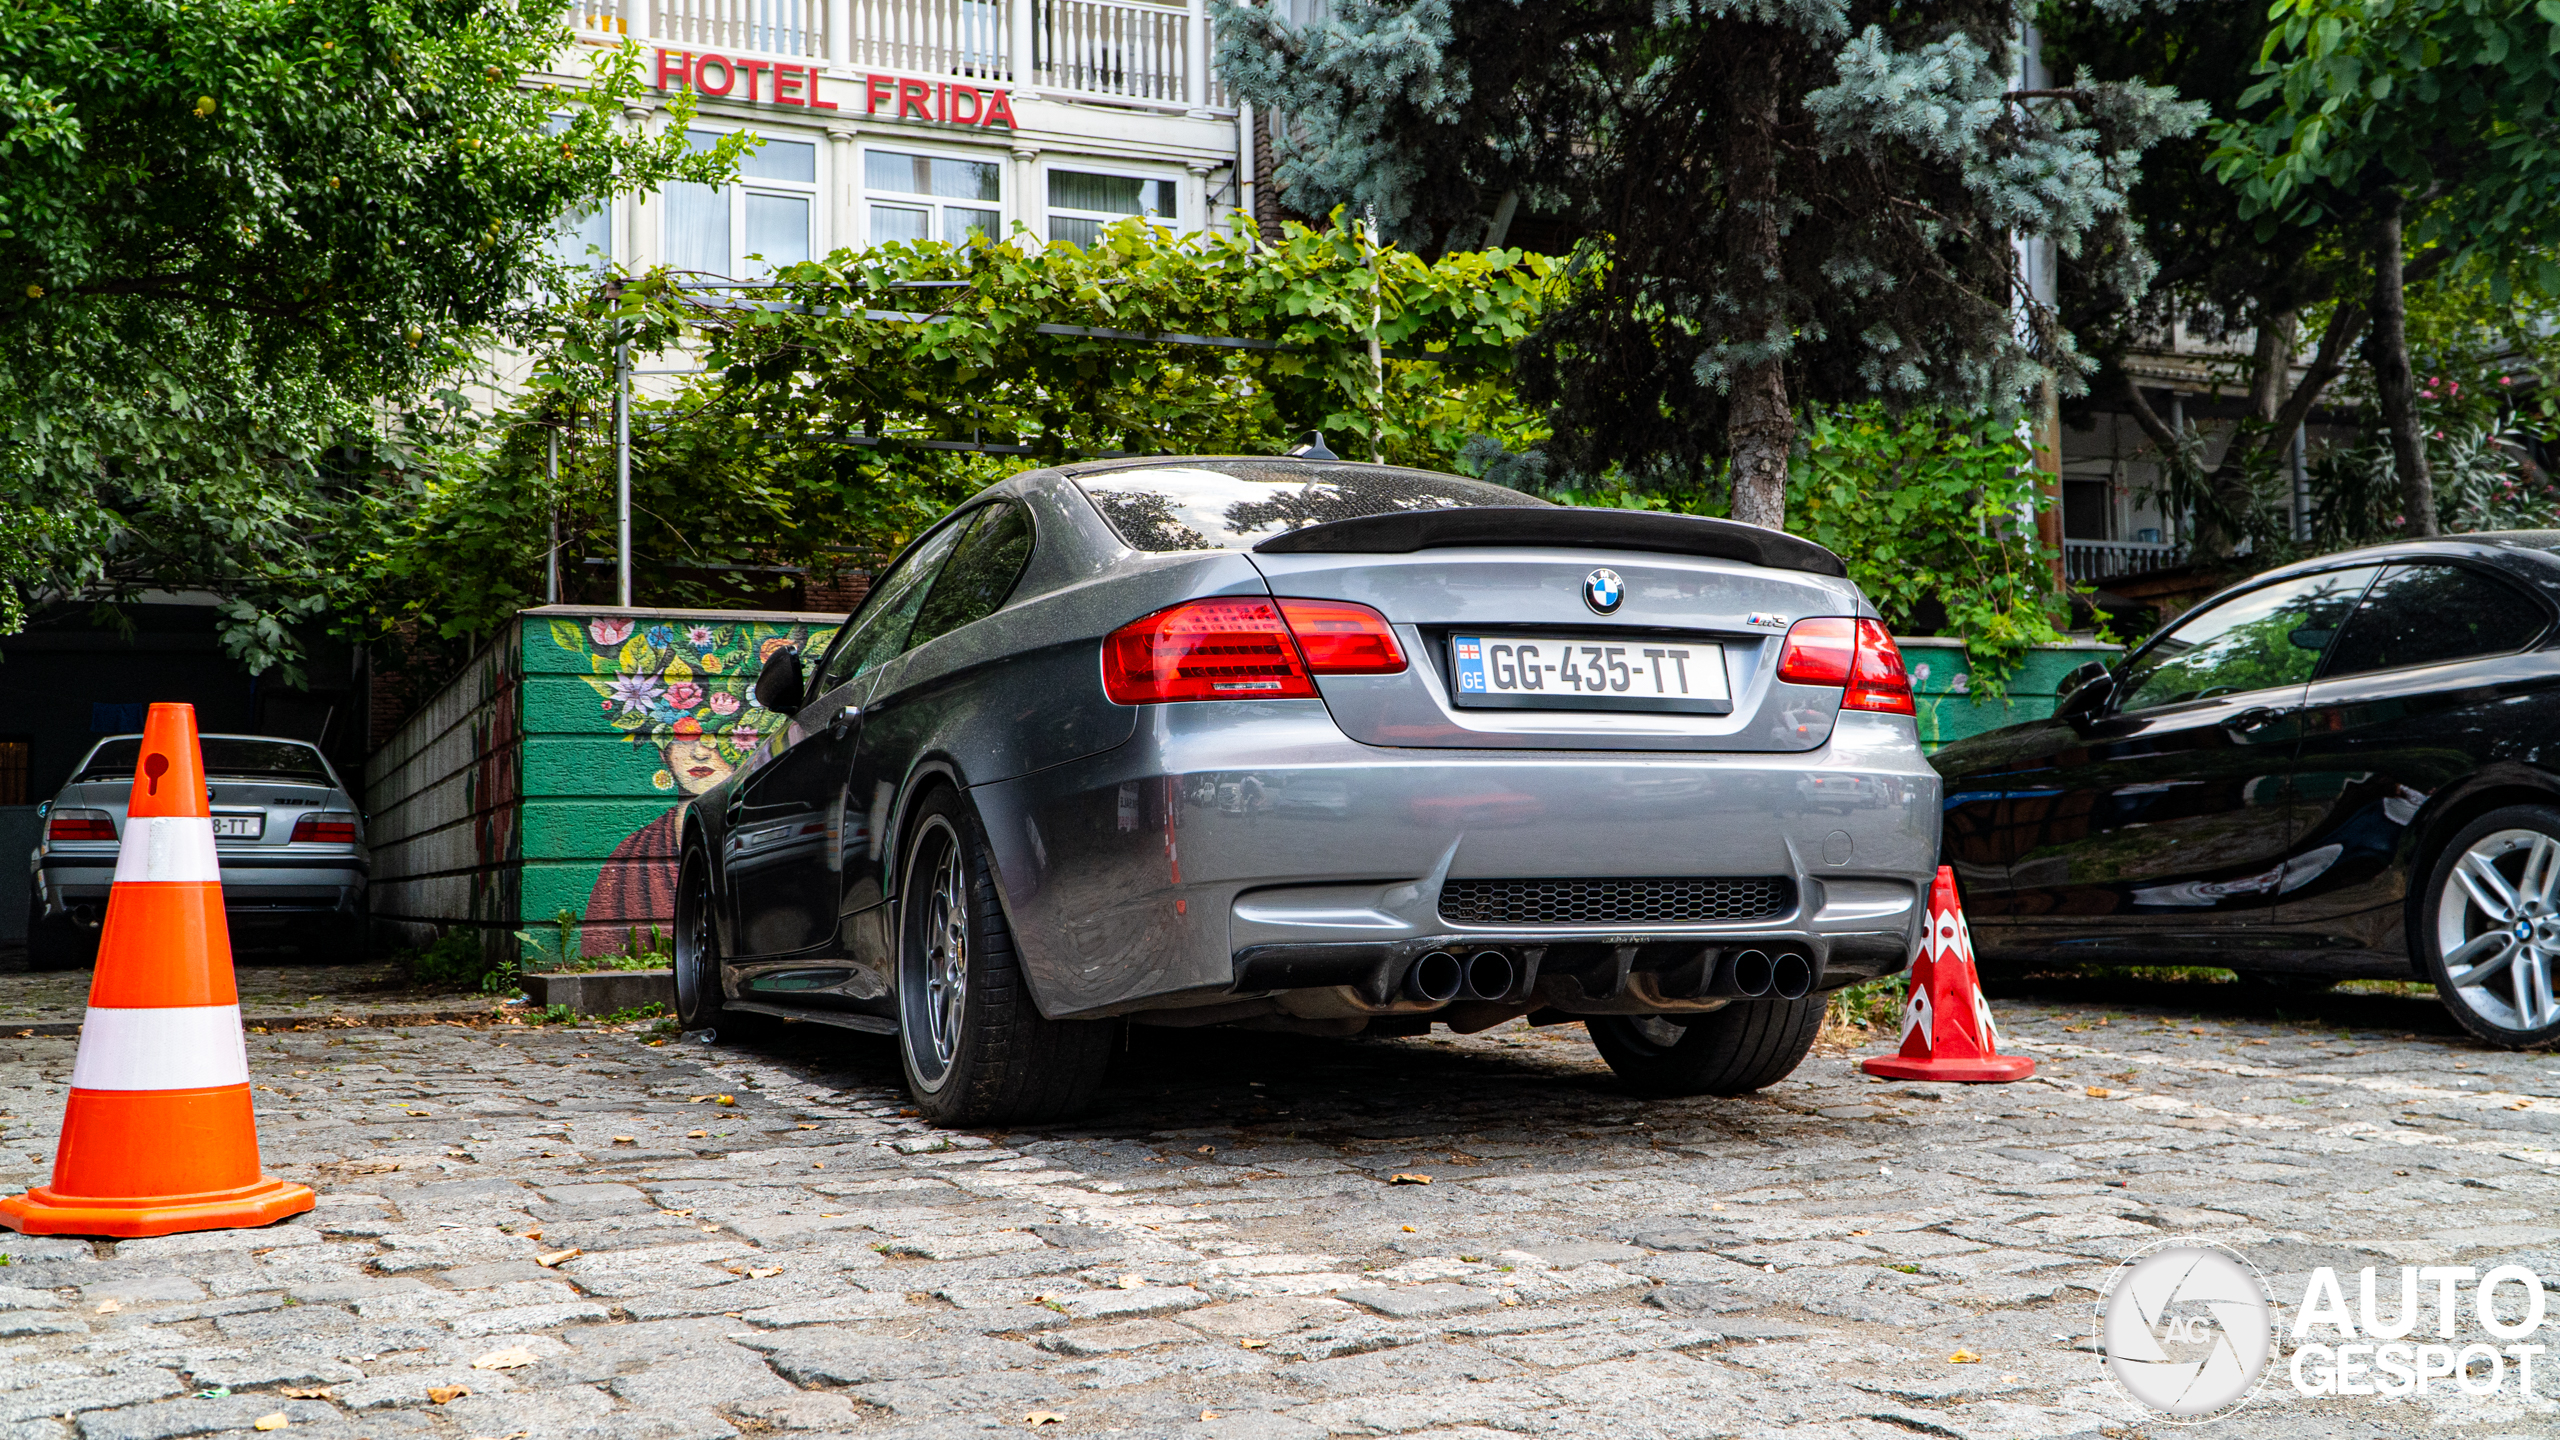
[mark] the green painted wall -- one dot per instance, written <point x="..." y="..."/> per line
<point x="625" y="713"/>
<point x="1942" y="683"/>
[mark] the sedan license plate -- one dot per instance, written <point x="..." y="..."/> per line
<point x="239" y="827"/>
<point x="1564" y="672"/>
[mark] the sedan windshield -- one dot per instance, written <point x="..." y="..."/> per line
<point x="1235" y="504"/>
<point x="223" y="755"/>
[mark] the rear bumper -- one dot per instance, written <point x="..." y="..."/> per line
<point x="282" y="888"/>
<point x="1177" y="870"/>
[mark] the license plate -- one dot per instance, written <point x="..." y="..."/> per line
<point x="1566" y="672"/>
<point x="239" y="827"/>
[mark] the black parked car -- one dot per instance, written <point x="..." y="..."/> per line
<point x="2347" y="767"/>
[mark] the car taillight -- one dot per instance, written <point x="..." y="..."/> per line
<point x="1242" y="649"/>
<point x="1205" y="650"/>
<point x="1857" y="655"/>
<point x="1339" y="637"/>
<point x="80" y="825"/>
<point x="328" y="827"/>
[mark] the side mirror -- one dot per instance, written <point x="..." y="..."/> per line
<point x="2083" y="691"/>
<point x="779" y="685"/>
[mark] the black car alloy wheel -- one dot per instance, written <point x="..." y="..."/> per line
<point x="933" y="966"/>
<point x="697" y="966"/>
<point x="2490" y="936"/>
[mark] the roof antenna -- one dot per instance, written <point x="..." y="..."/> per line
<point x="1310" y="446"/>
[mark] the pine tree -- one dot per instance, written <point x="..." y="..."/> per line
<point x="1790" y="202"/>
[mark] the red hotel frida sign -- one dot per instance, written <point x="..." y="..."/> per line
<point x="793" y="84"/>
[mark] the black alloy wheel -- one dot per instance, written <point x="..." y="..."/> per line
<point x="697" y="944"/>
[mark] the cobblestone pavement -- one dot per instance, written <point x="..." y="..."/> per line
<point x="536" y="1233"/>
<point x="54" y="998"/>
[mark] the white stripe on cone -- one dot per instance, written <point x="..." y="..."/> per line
<point x="167" y="848"/>
<point x="187" y="1047"/>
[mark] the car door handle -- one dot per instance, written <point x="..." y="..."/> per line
<point x="2258" y="717"/>
<point x="843" y="722"/>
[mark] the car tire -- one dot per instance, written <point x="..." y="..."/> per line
<point x="975" y="1048"/>
<point x="697" y="945"/>
<point x="1733" y="1051"/>
<point x="2488" y="932"/>
<point x="58" y="943"/>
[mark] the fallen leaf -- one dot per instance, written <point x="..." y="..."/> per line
<point x="838" y="1215"/>
<point x="514" y="1357"/>
<point x="2099" y="1092"/>
<point x="556" y="1256"/>
<point x="626" y="1139"/>
<point x="697" y="1134"/>
<point x="1857" y="1232"/>
<point x="1408" y="1229"/>
<point x="306" y="1392"/>
<point x="109" y="1307"/>
<point x="1409" y="1179"/>
<point x="697" y="1099"/>
<point x="1132" y="1282"/>
<point x="1253" y="1344"/>
<point x="277" y="1421"/>
<point x="1044" y="1417"/>
<point x="1206" y="1150"/>
<point x="447" y="1394"/>
<point x="808" y="1127"/>
<point x="1208" y="1414"/>
<point x="767" y="1273"/>
<point x="675" y="1212"/>
<point x="1964" y="1357"/>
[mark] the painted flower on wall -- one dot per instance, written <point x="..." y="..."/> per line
<point x="637" y="694"/>
<point x="609" y="632"/>
<point x="683" y="695"/>
<point x="701" y="637"/>
<point x="661" y="636"/>
<point x="724" y="703"/>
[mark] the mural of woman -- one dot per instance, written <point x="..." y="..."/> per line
<point x="683" y="691"/>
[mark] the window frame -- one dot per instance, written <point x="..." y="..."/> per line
<point x="2124" y="683"/>
<point x="813" y="191"/>
<point x="933" y="205"/>
<point x="2490" y="573"/>
<point x="1178" y="222"/>
<point x="854" y="623"/>
<point x="985" y="512"/>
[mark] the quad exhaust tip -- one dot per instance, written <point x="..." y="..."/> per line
<point x="1489" y="975"/>
<point x="1791" y="977"/>
<point x="1749" y="975"/>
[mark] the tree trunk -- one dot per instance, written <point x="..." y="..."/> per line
<point x="1760" y="423"/>
<point x="2387" y="350"/>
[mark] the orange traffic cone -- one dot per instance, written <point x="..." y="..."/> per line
<point x="1947" y="1032"/>
<point x="159" y="1136"/>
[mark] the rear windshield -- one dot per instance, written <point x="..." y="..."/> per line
<point x="1236" y="504"/>
<point x="253" y="759"/>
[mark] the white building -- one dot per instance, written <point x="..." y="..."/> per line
<point x="922" y="119"/>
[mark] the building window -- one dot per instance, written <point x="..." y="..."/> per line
<point x="1082" y="202"/>
<point x="582" y="238"/>
<point x="750" y="229"/>
<point x="931" y="197"/>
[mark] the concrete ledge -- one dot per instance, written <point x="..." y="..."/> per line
<point x="603" y="992"/>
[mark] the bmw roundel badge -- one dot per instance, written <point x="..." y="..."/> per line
<point x="1603" y="590"/>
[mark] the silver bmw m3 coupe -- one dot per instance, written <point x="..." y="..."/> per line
<point x="1298" y="744"/>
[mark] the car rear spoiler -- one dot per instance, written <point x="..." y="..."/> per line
<point x="1405" y="531"/>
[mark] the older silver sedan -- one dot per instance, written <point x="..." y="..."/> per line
<point x="291" y="843"/>
<point x="1297" y="744"/>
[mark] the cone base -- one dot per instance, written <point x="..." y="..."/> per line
<point x="1985" y="1070"/>
<point x="43" y="1211"/>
